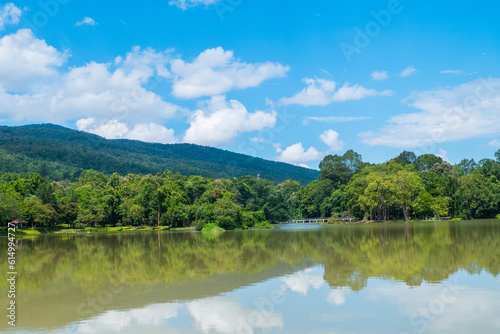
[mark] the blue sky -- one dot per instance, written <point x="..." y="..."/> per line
<point x="289" y="81"/>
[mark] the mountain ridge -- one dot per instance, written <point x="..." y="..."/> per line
<point x="48" y="147"/>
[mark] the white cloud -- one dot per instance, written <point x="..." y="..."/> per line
<point x="337" y="296"/>
<point x="152" y="133"/>
<point x="466" y="111"/>
<point x="453" y="72"/>
<point x="321" y="92"/>
<point x="356" y="92"/>
<point x="258" y="140"/>
<point x="225" y="316"/>
<point x="216" y="72"/>
<point x="113" y="96"/>
<point x="24" y="58"/>
<point x="331" y="138"/>
<point x="297" y="154"/>
<point x="304" y="166"/>
<point x="109" y="129"/>
<point x="185" y="4"/>
<point x="335" y="119"/>
<point x="301" y="281"/>
<point x="220" y="121"/>
<point x="408" y="71"/>
<point x="114" y="129"/>
<point x="380" y="75"/>
<point x="117" y="321"/>
<point x="494" y="143"/>
<point x="9" y="14"/>
<point x="443" y="155"/>
<point x="87" y="21"/>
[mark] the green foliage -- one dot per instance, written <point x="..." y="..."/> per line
<point x="426" y="162"/>
<point x="212" y="227"/>
<point x="405" y="158"/>
<point x="59" y="153"/>
<point x="263" y="225"/>
<point x="340" y="169"/>
<point x="348" y="187"/>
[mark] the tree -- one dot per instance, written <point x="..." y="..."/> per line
<point x="467" y="166"/>
<point x="9" y="205"/>
<point x="407" y="187"/>
<point x="477" y="199"/>
<point x="91" y="206"/>
<point x="441" y="206"/>
<point x="426" y="161"/>
<point x="377" y="196"/>
<point x="405" y="158"/>
<point x="334" y="205"/>
<point x="340" y="169"/>
<point x="38" y="213"/>
<point x="312" y="196"/>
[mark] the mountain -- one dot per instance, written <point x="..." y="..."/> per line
<point x="61" y="153"/>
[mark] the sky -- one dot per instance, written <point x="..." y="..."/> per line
<point x="287" y="81"/>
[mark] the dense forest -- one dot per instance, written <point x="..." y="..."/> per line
<point x="406" y="187"/>
<point x="58" y="153"/>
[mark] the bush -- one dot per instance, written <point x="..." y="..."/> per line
<point x="334" y="219"/>
<point x="212" y="227"/>
<point x="263" y="224"/>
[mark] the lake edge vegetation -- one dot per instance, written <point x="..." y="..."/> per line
<point x="404" y="188"/>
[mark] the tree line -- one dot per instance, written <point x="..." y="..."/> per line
<point x="406" y="187"/>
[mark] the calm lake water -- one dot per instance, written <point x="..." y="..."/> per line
<point x="377" y="278"/>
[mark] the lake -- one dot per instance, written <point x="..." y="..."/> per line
<point x="431" y="277"/>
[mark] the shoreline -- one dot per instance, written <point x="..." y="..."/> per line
<point x="130" y="229"/>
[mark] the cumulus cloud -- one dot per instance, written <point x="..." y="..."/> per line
<point x="117" y="321"/>
<point x="408" y="71"/>
<point x="34" y="87"/>
<point x="380" y="75"/>
<point x="185" y="4"/>
<point x="24" y="58"/>
<point x="216" y="71"/>
<point x="321" y="92"/>
<point x="303" y="280"/>
<point x="9" y="14"/>
<point x="114" y="129"/>
<point x="463" y="112"/>
<point x="220" y="121"/>
<point x="225" y="316"/>
<point x="87" y="21"/>
<point x="331" y="138"/>
<point x="296" y="154"/>
<point x="337" y="296"/>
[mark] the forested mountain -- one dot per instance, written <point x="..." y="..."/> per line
<point x="61" y="153"/>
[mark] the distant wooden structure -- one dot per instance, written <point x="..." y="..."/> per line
<point x="18" y="223"/>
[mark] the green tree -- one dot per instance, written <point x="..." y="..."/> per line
<point x="38" y="213"/>
<point x="407" y="187"/>
<point x="426" y="161"/>
<point x="340" y="169"/>
<point x="405" y="158"/>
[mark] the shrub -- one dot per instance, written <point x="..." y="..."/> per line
<point x="212" y="227"/>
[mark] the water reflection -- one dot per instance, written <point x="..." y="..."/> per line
<point x="399" y="278"/>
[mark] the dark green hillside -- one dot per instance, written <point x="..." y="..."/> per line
<point x="61" y="153"/>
